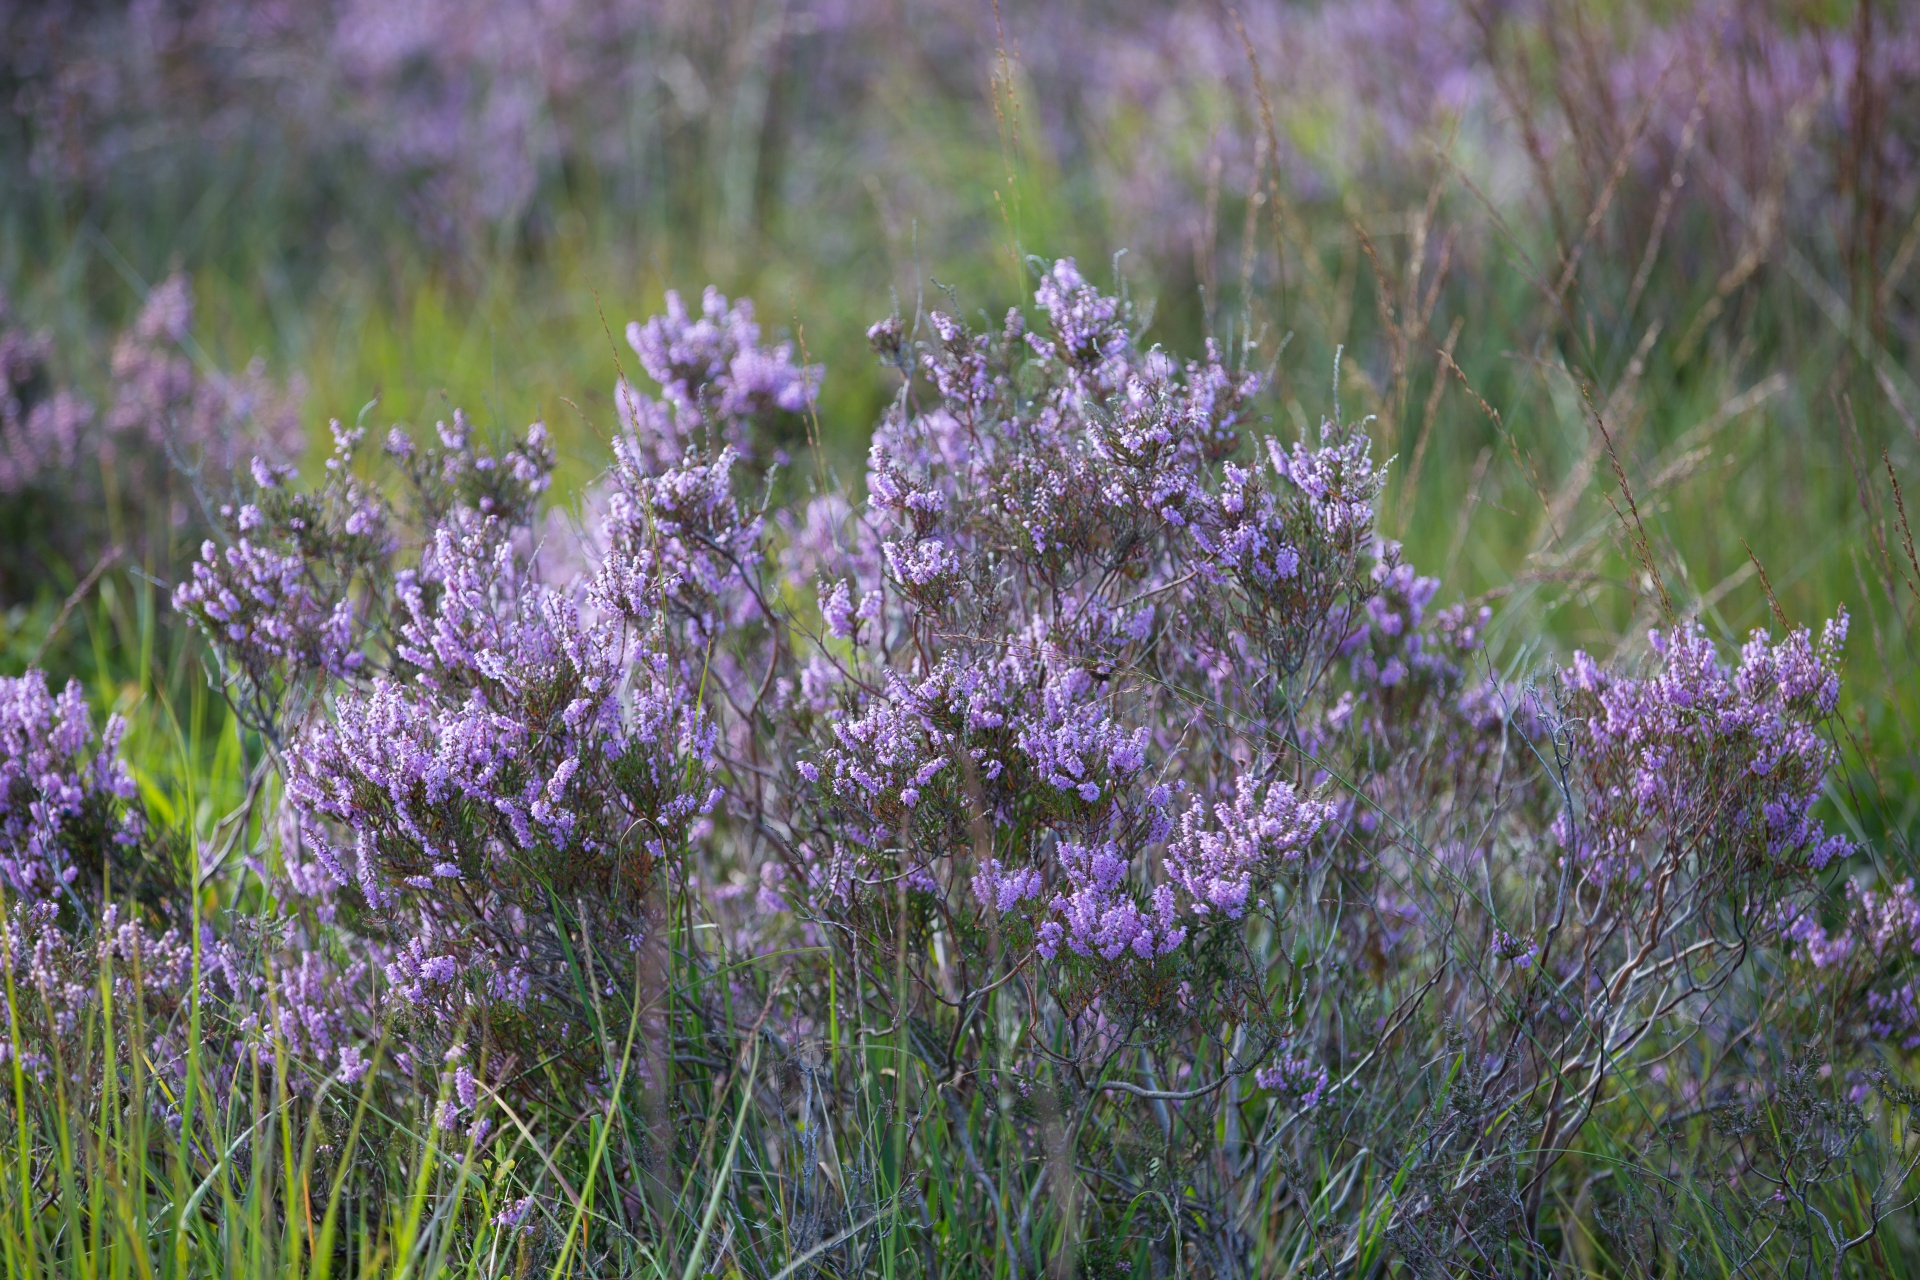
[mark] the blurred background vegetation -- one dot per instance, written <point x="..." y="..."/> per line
<point x="1630" y="287"/>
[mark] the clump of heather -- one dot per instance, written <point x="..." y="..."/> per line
<point x="519" y="784"/>
<point x="40" y="423"/>
<point x="285" y="599"/>
<point x="54" y="978"/>
<point x="163" y="452"/>
<point x="717" y="381"/>
<point x="61" y="798"/>
<point x="68" y="831"/>
<point x="1097" y="794"/>
<point x="492" y="776"/>
<point x="207" y="420"/>
<point x="1004" y="695"/>
<point x="1718" y="766"/>
<point x="93" y="899"/>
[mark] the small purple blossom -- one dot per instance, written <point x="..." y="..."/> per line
<point x="1513" y="949"/>
<point x="63" y="797"/>
<point x="1299" y="1079"/>
<point x="1263" y="828"/>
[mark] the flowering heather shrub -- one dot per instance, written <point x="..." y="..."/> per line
<point x="1735" y="753"/>
<point x="1778" y="95"/>
<point x="40" y="424"/>
<point x="55" y="978"/>
<point x="506" y="770"/>
<point x="529" y="758"/>
<point x="477" y="117"/>
<point x="280" y="598"/>
<point x="88" y="890"/>
<point x="467" y="116"/>
<point x="718" y="382"/>
<point x="1761" y="107"/>
<point x="433" y="88"/>
<point x="1024" y="660"/>
<point x="1094" y="811"/>
<point x="209" y="419"/>
<point x="63" y="816"/>
<point x="165" y="449"/>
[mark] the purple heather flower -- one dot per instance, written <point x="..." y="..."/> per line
<point x="712" y="370"/>
<point x="1096" y="915"/>
<point x="353" y="1064"/>
<point x="63" y="797"/>
<point x="1217" y="864"/>
<point x="1299" y="1079"/>
<point x="1697" y="741"/>
<point x="1515" y="950"/>
<point x="516" y="1215"/>
<point x="1005" y="889"/>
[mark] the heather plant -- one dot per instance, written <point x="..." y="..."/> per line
<point x="281" y="597"/>
<point x="129" y="478"/>
<point x="476" y="124"/>
<point x="67" y="828"/>
<point x="40" y="424"/>
<point x="719" y="385"/>
<point x="206" y="419"/>
<point x="1096" y="843"/>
